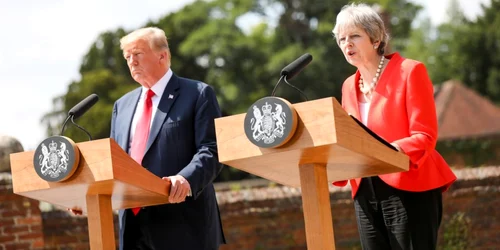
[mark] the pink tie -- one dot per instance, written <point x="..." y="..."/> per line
<point x="141" y="133"/>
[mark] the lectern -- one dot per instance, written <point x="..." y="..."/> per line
<point x="106" y="179"/>
<point x="328" y="145"/>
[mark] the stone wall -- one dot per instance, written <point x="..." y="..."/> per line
<point x="8" y="145"/>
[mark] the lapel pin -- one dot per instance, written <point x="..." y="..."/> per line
<point x="170" y="96"/>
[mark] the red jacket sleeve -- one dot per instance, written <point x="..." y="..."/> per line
<point x="341" y="183"/>
<point x="421" y="112"/>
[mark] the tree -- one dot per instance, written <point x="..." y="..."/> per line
<point x="306" y="26"/>
<point x="104" y="72"/>
<point x="462" y="49"/>
<point x="208" y="43"/>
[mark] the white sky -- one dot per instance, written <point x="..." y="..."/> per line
<point x="43" y="42"/>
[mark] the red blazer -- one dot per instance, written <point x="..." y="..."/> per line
<point x="403" y="111"/>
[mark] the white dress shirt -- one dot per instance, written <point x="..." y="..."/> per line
<point x="158" y="89"/>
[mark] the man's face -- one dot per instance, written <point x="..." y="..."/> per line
<point x="145" y="64"/>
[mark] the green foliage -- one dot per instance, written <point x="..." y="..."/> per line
<point x="108" y="86"/>
<point x="209" y="41"/>
<point x="399" y="15"/>
<point x="105" y="53"/>
<point x="473" y="152"/>
<point x="461" y="49"/>
<point x="457" y="233"/>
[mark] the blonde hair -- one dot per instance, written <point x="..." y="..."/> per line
<point x="364" y="17"/>
<point x="154" y="36"/>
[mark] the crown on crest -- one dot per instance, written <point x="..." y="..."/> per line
<point x="52" y="146"/>
<point x="267" y="108"/>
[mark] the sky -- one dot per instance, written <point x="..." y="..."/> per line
<point x="43" y="43"/>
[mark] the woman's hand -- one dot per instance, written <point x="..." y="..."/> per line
<point x="398" y="148"/>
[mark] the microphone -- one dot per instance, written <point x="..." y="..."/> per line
<point x="292" y="69"/>
<point x="80" y="109"/>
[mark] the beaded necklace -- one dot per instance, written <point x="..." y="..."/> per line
<point x="367" y="89"/>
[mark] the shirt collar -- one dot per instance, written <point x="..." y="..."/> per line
<point x="160" y="86"/>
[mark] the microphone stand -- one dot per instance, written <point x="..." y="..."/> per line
<point x="81" y="128"/>
<point x="78" y="126"/>
<point x="302" y="93"/>
<point x="284" y="77"/>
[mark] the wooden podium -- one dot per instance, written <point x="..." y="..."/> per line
<point x="327" y="146"/>
<point x="106" y="179"/>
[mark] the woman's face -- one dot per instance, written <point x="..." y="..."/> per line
<point x="356" y="46"/>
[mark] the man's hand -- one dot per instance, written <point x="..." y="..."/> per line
<point x="179" y="189"/>
<point x="75" y="211"/>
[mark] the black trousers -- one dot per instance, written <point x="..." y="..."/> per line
<point x="145" y="231"/>
<point x="390" y="218"/>
<point x="136" y="237"/>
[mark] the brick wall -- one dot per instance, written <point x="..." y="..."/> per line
<point x="20" y="220"/>
<point x="266" y="217"/>
<point x="260" y="224"/>
<point x="62" y="231"/>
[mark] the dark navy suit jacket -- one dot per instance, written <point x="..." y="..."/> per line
<point x="181" y="141"/>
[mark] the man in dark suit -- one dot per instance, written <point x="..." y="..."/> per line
<point x="167" y="125"/>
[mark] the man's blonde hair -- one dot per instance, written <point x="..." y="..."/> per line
<point x="154" y="36"/>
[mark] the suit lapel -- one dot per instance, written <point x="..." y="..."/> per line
<point x="128" y="114"/>
<point x="167" y="100"/>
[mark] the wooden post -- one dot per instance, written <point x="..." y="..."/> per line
<point x="316" y="205"/>
<point x="100" y="220"/>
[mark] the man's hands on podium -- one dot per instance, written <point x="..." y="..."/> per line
<point x="179" y="188"/>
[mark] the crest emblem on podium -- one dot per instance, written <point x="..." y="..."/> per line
<point x="55" y="158"/>
<point x="270" y="122"/>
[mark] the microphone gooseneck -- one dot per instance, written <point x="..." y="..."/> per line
<point x="300" y="91"/>
<point x="78" y="110"/>
<point x="81" y="128"/>
<point x="276" y="86"/>
<point x="291" y="70"/>
<point x="64" y="124"/>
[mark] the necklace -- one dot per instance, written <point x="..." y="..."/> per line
<point x="367" y="89"/>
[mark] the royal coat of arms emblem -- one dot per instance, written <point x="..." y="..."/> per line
<point x="55" y="158"/>
<point x="269" y="122"/>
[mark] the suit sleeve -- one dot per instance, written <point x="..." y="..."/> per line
<point x="422" y="120"/>
<point x="113" y="118"/>
<point x="204" y="166"/>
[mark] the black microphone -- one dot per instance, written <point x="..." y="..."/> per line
<point x="296" y="66"/>
<point x="292" y="70"/>
<point x="82" y="107"/>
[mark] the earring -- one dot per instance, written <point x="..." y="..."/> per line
<point x="375" y="47"/>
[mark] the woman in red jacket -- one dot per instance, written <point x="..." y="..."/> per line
<point x="393" y="96"/>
